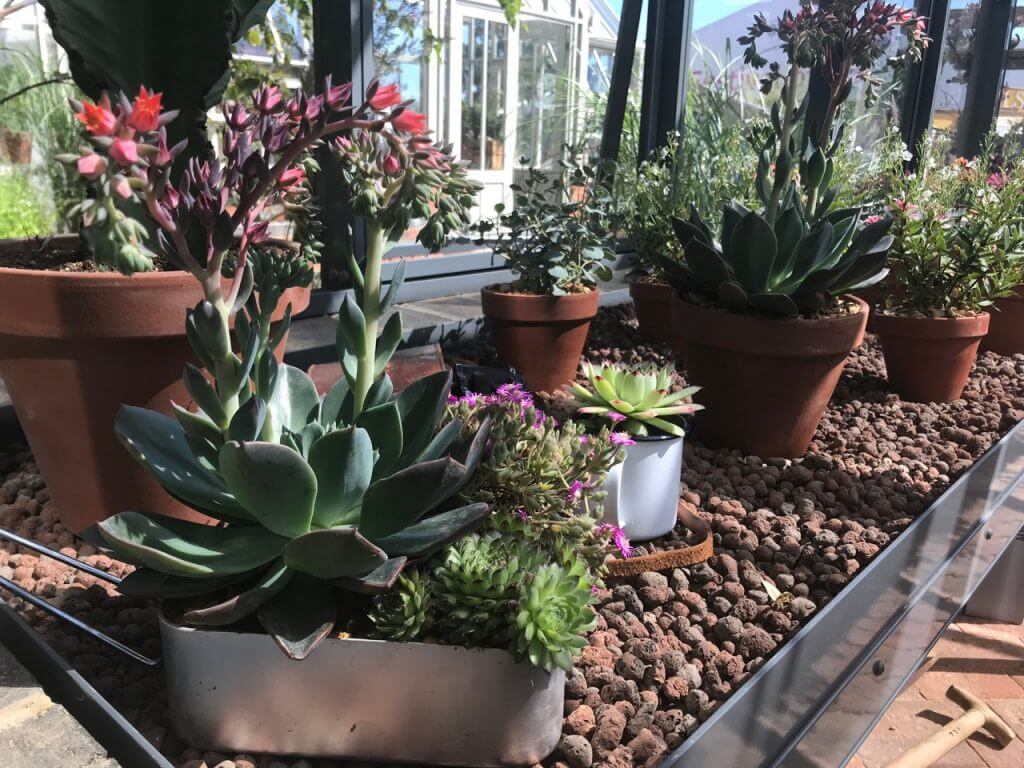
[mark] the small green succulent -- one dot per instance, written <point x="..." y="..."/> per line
<point x="403" y="613"/>
<point x="553" y="616"/>
<point x="641" y="398"/>
<point x="500" y="592"/>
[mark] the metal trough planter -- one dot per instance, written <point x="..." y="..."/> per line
<point x="365" y="699"/>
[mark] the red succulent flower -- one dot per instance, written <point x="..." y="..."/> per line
<point x="408" y="121"/>
<point x="145" y="111"/>
<point x="386" y="97"/>
<point x="291" y="179"/>
<point x="97" y="118"/>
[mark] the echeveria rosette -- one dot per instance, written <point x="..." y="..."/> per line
<point x="348" y="506"/>
<point x="553" y="616"/>
<point x="639" y="398"/>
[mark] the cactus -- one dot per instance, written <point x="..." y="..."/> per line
<point x="640" y="398"/>
<point x="403" y="613"/>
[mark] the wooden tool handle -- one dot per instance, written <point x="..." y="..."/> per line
<point x="940" y="742"/>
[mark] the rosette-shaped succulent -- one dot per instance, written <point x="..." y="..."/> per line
<point x="477" y="588"/>
<point x="553" y="615"/>
<point x="640" y="398"/>
<point x="331" y="505"/>
<point x="403" y="613"/>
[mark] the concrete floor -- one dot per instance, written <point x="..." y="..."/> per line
<point x="984" y="658"/>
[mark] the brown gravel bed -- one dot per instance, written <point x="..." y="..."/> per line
<point x="668" y="647"/>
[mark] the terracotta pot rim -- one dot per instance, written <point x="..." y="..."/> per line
<point x="932" y="327"/>
<point x="492" y="289"/>
<point x="773" y="337"/>
<point x="661" y="292"/>
<point x="539" y="309"/>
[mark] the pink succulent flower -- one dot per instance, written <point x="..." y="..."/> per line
<point x="125" y="152"/>
<point x="91" y="166"/>
<point x="621" y="439"/>
<point x="386" y="97"/>
<point x="616" y="417"/>
<point x="575" y="492"/>
<point x="410" y="122"/>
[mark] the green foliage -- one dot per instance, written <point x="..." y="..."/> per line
<point x="181" y="49"/>
<point x="959" y="232"/>
<point x="403" y="614"/>
<point x="498" y="592"/>
<point x="554" y="614"/>
<point x="35" y="99"/>
<point x="541" y="479"/>
<point x="555" y="239"/>
<point x="642" y="397"/>
<point x="22" y="213"/>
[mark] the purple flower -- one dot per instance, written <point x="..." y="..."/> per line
<point x="594" y="589"/>
<point x="521" y="512"/>
<point x="473" y="399"/>
<point x="615" y="417"/>
<point x="621" y="438"/>
<point x="514" y="393"/>
<point x="452" y="399"/>
<point x="619" y="538"/>
<point x="575" y="492"/>
<point x="584" y="440"/>
<point x="622" y="542"/>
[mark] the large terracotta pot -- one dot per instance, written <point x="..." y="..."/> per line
<point x="927" y="359"/>
<point x="653" y="304"/>
<point x="74" y="346"/>
<point x="542" y="337"/>
<point x="1006" y="326"/>
<point x="766" y="382"/>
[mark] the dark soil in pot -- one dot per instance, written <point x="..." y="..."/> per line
<point x="766" y="381"/>
<point x="928" y="359"/>
<point x="669" y="648"/>
<point x="652" y="302"/>
<point x="540" y="336"/>
<point x="76" y="344"/>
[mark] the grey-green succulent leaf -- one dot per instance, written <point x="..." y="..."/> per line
<point x="333" y="553"/>
<point x="274" y="483"/>
<point x="343" y="464"/>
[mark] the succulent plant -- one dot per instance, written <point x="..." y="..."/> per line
<point x="314" y="493"/>
<point x="348" y="506"/>
<point x="403" y="613"/>
<point x="477" y="585"/>
<point x="553" y="616"/>
<point x="798" y="256"/>
<point x="640" y="398"/>
<point x="542" y="479"/>
<point x="488" y="592"/>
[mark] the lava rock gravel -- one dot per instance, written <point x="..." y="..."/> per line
<point x="668" y="647"/>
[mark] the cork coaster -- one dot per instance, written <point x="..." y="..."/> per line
<point x="673" y="558"/>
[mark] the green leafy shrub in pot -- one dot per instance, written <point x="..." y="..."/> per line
<point x="555" y="239"/>
<point x="959" y="237"/>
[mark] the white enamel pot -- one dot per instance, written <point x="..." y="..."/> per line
<point x="643" y="491"/>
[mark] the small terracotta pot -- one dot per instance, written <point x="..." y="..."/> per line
<point x="542" y="337"/>
<point x="1006" y="326"/>
<point x="766" y="382"/>
<point x="653" y="304"/>
<point x="928" y="360"/>
<point x="74" y="346"/>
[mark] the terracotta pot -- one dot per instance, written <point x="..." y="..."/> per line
<point x="928" y="360"/>
<point x="766" y="382"/>
<point x="1006" y="326"/>
<point x="74" y="346"/>
<point x="653" y="303"/>
<point x="542" y="337"/>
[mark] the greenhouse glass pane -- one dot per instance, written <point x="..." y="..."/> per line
<point x="545" y="56"/>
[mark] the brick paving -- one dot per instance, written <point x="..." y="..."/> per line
<point x="984" y="658"/>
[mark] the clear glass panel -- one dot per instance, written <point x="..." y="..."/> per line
<point x="545" y="59"/>
<point x="399" y="29"/>
<point x="473" y="67"/>
<point x="1010" y="120"/>
<point x="957" y="53"/>
<point x="497" y="80"/>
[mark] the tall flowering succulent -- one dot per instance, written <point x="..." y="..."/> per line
<point x="799" y="254"/>
<point x="315" y="493"/>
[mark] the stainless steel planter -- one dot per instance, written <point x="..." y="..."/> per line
<point x="366" y="699"/>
